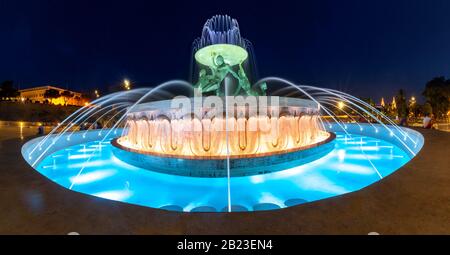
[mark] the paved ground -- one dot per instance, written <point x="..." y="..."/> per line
<point x="413" y="200"/>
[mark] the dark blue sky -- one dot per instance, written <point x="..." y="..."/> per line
<point x="367" y="48"/>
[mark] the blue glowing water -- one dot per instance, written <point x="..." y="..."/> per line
<point x="356" y="162"/>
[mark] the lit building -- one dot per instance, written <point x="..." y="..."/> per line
<point x="36" y="95"/>
<point x="393" y="104"/>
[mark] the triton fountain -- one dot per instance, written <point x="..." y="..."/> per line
<point x="225" y="142"/>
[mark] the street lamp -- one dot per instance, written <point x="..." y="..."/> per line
<point x="412" y="101"/>
<point x="126" y="84"/>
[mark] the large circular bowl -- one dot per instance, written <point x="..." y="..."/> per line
<point x="232" y="54"/>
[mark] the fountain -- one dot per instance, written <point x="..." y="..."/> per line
<point x="226" y="141"/>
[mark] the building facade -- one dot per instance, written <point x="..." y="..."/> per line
<point x="36" y="95"/>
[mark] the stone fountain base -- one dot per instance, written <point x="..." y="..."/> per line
<point x="240" y="165"/>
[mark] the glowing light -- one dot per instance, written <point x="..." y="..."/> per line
<point x="358" y="142"/>
<point x="256" y="179"/>
<point x="86" y="150"/>
<point x="341" y="155"/>
<point x="118" y="195"/>
<point x="267" y="197"/>
<point x="96" y="163"/>
<point x="97" y="146"/>
<point x="341" y="105"/>
<point x="79" y="156"/>
<point x="126" y="84"/>
<point x="292" y="132"/>
<point x="21" y="124"/>
<point x="412" y="101"/>
<point x="92" y="176"/>
<point x="365" y="148"/>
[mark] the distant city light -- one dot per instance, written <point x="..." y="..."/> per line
<point x="341" y="105"/>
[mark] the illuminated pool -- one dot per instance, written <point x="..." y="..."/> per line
<point x="356" y="161"/>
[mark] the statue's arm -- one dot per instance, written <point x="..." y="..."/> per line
<point x="233" y="73"/>
<point x="213" y="70"/>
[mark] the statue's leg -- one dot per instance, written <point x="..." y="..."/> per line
<point x="237" y="90"/>
<point x="218" y="92"/>
<point x="263" y="87"/>
<point x="248" y="91"/>
<point x="211" y="88"/>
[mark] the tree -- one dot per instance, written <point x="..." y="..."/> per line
<point x="437" y="94"/>
<point x="87" y="96"/>
<point x="427" y="109"/>
<point x="66" y="95"/>
<point x="369" y="101"/>
<point x="415" y="109"/>
<point x="402" y="106"/>
<point x="7" y="90"/>
<point x="51" y="94"/>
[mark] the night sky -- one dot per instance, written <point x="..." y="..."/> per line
<point x="366" y="48"/>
